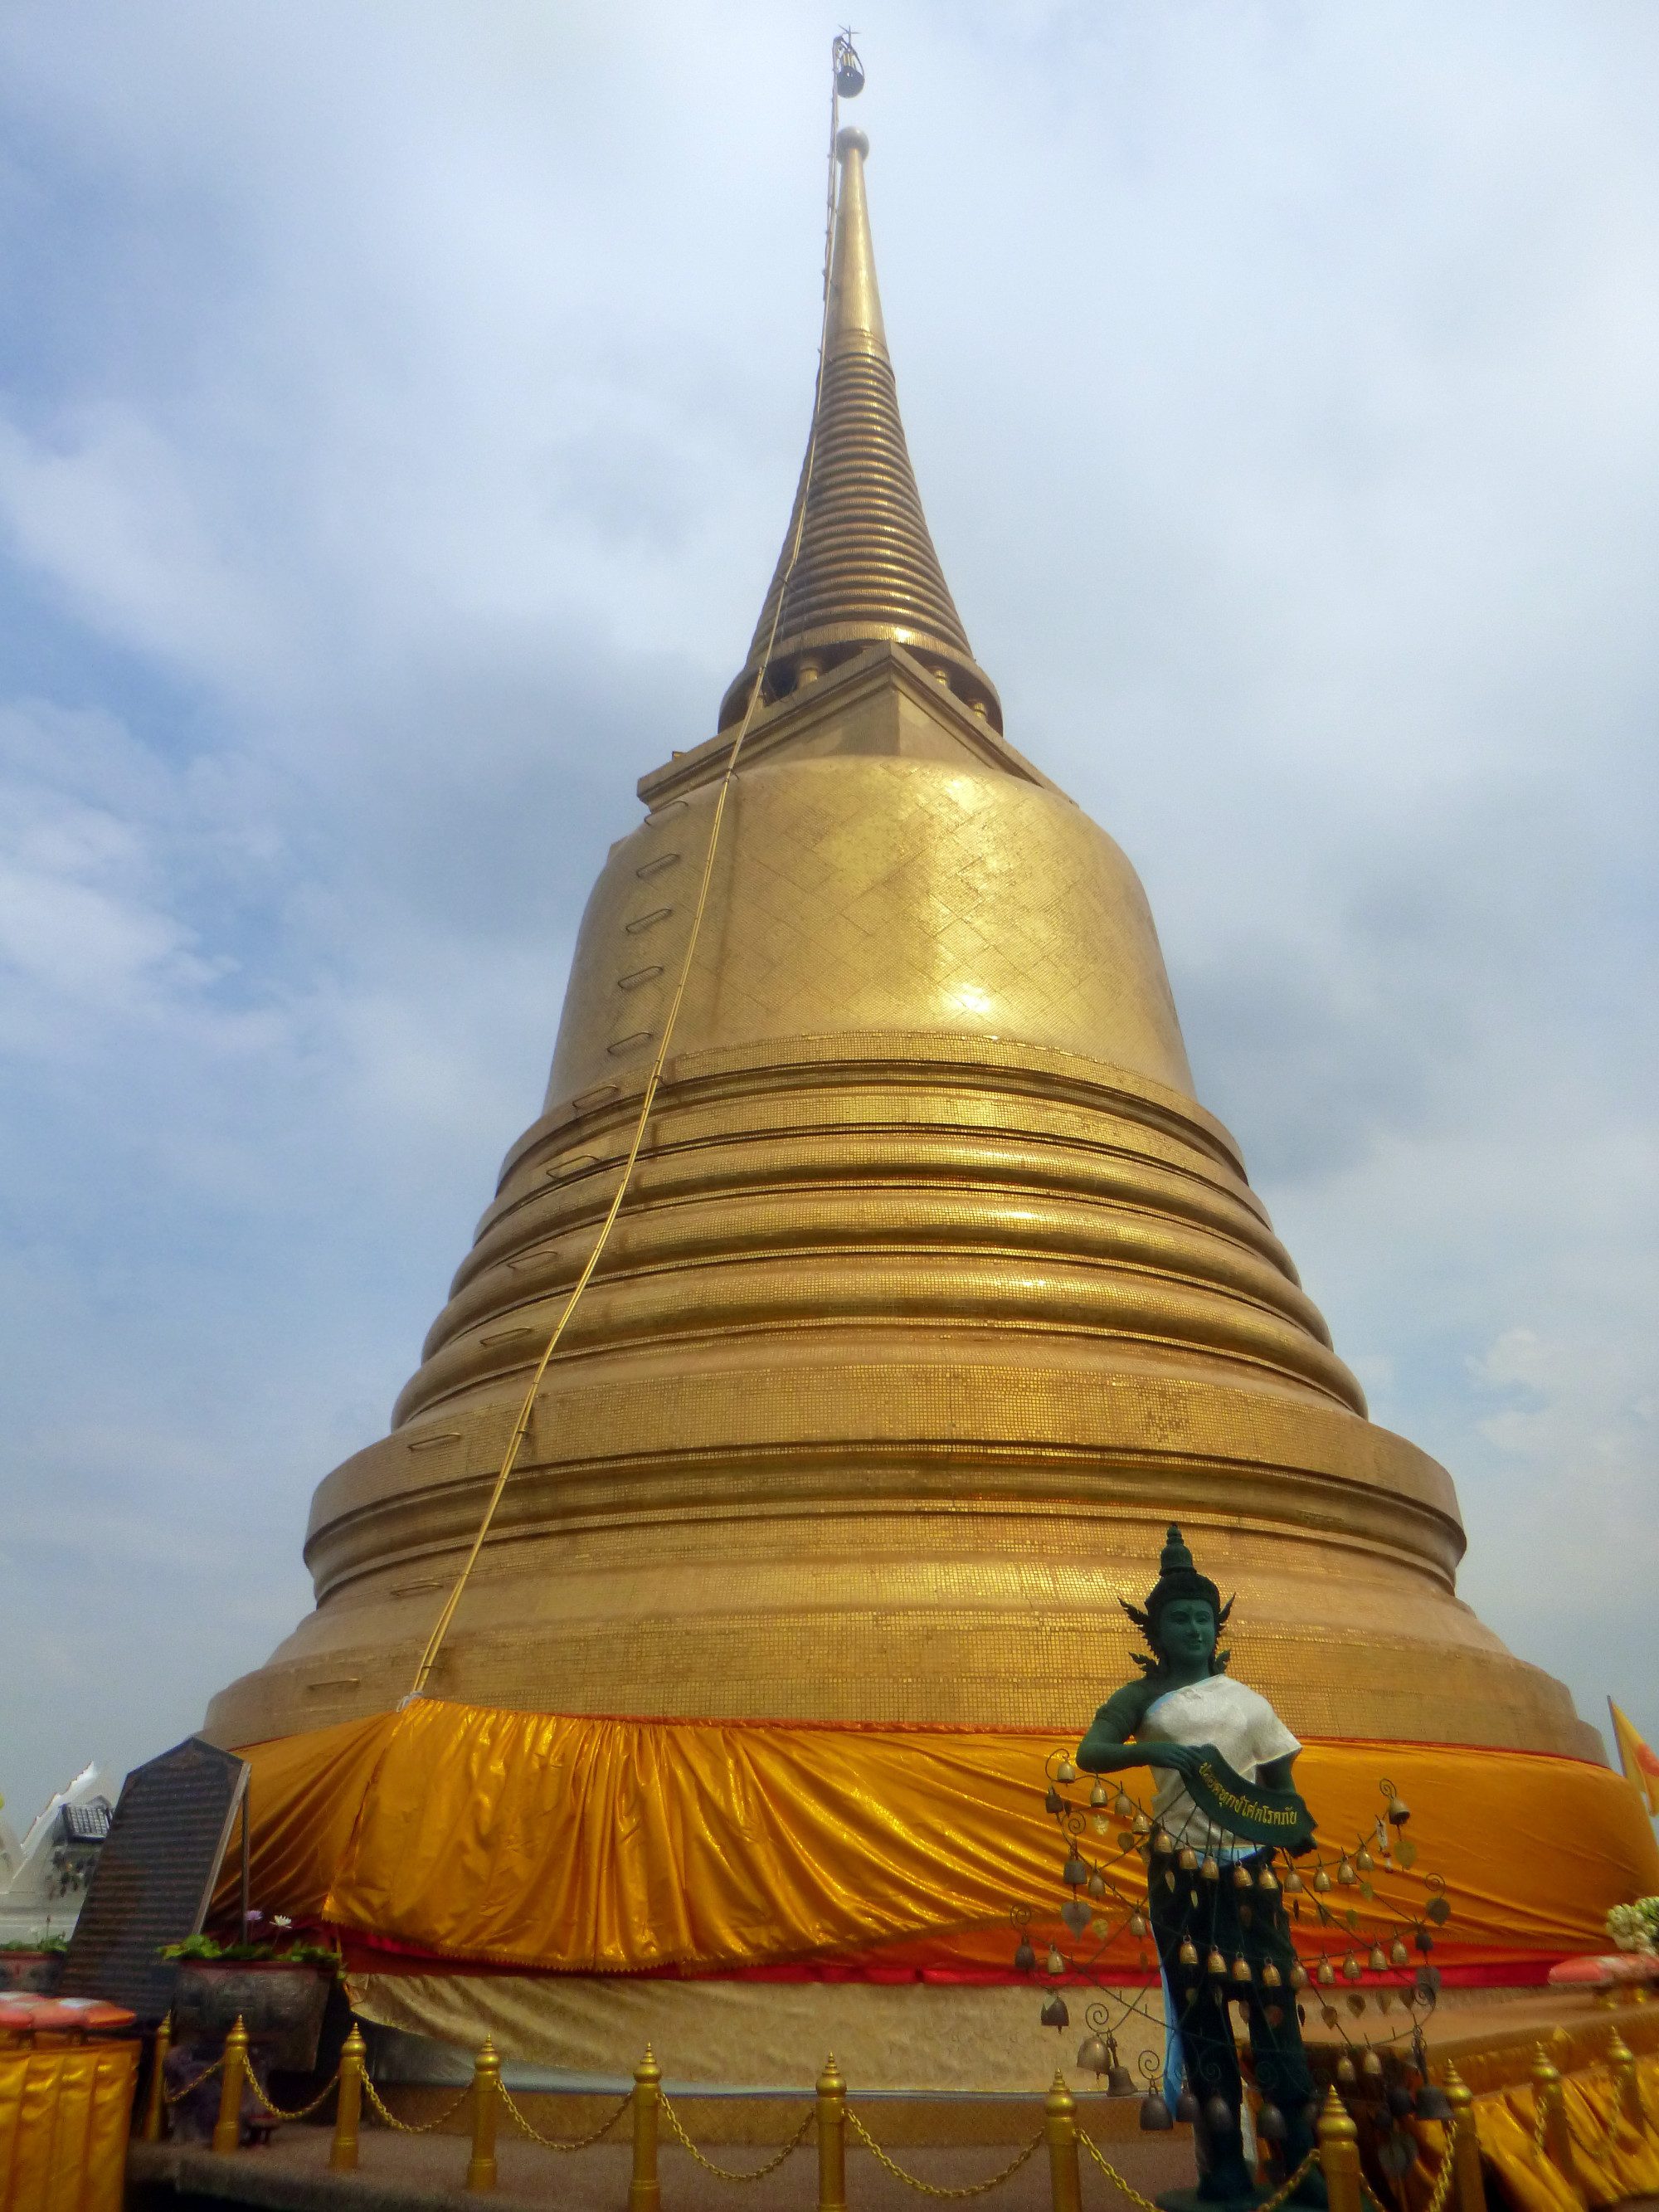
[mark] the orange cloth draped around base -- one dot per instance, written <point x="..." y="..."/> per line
<point x="64" y="2119"/>
<point x="598" y="1845"/>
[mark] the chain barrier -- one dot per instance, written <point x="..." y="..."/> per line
<point x="178" y="2096"/>
<point x="403" y="2127"/>
<point x="275" y="2111"/>
<point x="723" y="2173"/>
<point x="560" y="2142"/>
<point x="1268" y="2204"/>
<point x="931" y="2189"/>
<point x="1540" y="2123"/>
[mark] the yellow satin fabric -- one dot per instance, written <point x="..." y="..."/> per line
<point x="604" y="1845"/>
<point x="63" y="2118"/>
<point x="1612" y="2160"/>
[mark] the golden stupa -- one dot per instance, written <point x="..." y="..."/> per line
<point x="935" y="1294"/>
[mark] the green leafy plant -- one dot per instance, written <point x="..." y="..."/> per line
<point x="207" y="1949"/>
<point x="55" y="1946"/>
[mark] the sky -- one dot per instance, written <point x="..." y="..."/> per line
<point x="400" y="405"/>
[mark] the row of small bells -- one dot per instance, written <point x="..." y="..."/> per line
<point x="1099" y="2055"/>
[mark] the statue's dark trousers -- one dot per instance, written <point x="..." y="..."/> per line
<point x="1248" y="1924"/>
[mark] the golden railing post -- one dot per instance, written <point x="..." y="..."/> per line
<point x="1060" y="2110"/>
<point x="1463" y="2145"/>
<point x="1622" y="2060"/>
<point x="832" y="2138"/>
<point x="228" y="2128"/>
<point x="1338" y="2155"/>
<point x="156" y="2103"/>
<point x="486" y="2099"/>
<point x="1549" y="2100"/>
<point x="343" y="2152"/>
<point x="644" y="2190"/>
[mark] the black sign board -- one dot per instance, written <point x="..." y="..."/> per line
<point x="155" y="1875"/>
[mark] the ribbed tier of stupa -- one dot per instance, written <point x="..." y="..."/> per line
<point x="935" y="1294"/>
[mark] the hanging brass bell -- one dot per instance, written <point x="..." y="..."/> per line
<point x="1066" y="1772"/>
<point x="1241" y="1968"/>
<point x="1098" y="1794"/>
<point x="1096" y="1884"/>
<point x="1377" y="1962"/>
<point x="1372" y="2065"/>
<point x="1119" y="2082"/>
<point x="1326" y="1973"/>
<point x="1188" y="1951"/>
<point x="1266" y="1881"/>
<point x="1075" y="1874"/>
<point x="1399" y="1811"/>
<point x="1143" y="1827"/>
<point x="1322" y="1881"/>
<point x="1242" y="1878"/>
<point x="1188" y="1858"/>
<point x="1344" y="2072"/>
<point x="1345" y="1874"/>
<point x="1054" y="2014"/>
<point x="1138" y="1922"/>
<point x="1270" y="1976"/>
<point x="1124" y="1806"/>
<point x="1398" y="1954"/>
<point x="1091" y="2056"/>
<point x="1364" y="1861"/>
<point x="1216" y="1964"/>
<point x="1352" y="1968"/>
<point x="1055" y="1964"/>
<point x="1294" y="1885"/>
<point x="1299" y="1976"/>
<point x="1163" y="1842"/>
<point x="1025" y="1956"/>
<point x="1211" y="1870"/>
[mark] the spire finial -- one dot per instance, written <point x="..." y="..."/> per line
<point x="854" y="320"/>
<point x="858" y="564"/>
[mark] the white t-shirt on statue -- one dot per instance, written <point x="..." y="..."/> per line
<point x="1243" y="1728"/>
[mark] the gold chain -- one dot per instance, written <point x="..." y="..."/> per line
<point x="178" y="2096"/>
<point x="723" y="2173"/>
<point x="275" y="2111"/>
<point x="561" y="2142"/>
<point x="1268" y="2204"/>
<point x="1540" y="2122"/>
<point x="1444" y="2179"/>
<point x="403" y="2126"/>
<point x="927" y="2188"/>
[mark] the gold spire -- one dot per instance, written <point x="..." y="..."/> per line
<point x="866" y="568"/>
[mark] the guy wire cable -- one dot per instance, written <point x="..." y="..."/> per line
<point x="841" y="54"/>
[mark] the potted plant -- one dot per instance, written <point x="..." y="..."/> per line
<point x="277" y="1986"/>
<point x="33" y="1968"/>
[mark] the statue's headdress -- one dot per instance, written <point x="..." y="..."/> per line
<point x="1177" y="1577"/>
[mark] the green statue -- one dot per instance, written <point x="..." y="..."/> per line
<point x="1221" y="1759"/>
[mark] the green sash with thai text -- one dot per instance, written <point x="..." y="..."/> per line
<point x="1249" y="1810"/>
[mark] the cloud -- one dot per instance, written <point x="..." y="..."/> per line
<point x="399" y="411"/>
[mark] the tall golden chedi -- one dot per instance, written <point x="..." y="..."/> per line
<point x="936" y="1292"/>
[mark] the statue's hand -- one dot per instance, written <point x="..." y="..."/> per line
<point x="1185" y="1758"/>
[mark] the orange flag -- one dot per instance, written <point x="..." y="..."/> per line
<point x="1641" y="1766"/>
